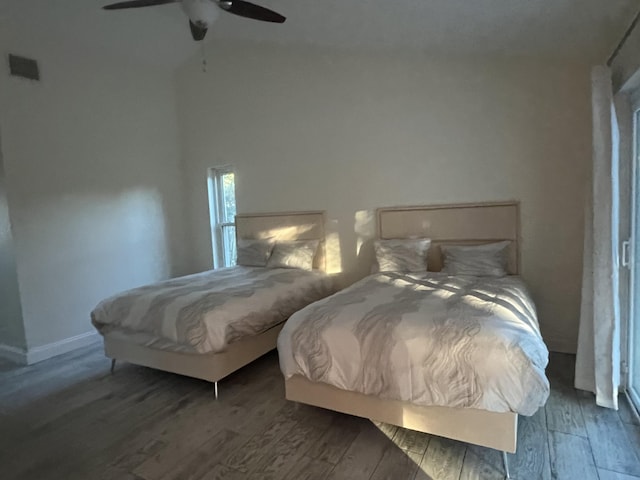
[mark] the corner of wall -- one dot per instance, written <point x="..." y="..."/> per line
<point x="13" y="354"/>
<point x="12" y="329"/>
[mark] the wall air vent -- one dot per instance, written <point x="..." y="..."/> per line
<point x="24" y="67"/>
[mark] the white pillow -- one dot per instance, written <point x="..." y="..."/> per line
<point x="402" y="255"/>
<point x="488" y="260"/>
<point x="294" y="254"/>
<point x="254" y="253"/>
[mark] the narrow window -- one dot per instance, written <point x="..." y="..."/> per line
<point x="222" y="213"/>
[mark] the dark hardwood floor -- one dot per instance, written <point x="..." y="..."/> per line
<point x="67" y="418"/>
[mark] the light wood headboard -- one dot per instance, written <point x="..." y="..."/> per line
<point x="285" y="226"/>
<point x="463" y="224"/>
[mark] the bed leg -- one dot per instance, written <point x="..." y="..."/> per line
<point x="113" y="365"/>
<point x="215" y="389"/>
<point x="505" y="460"/>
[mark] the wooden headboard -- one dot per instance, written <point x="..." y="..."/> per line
<point x="463" y="224"/>
<point x="285" y="226"/>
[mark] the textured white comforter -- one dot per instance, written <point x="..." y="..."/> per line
<point x="205" y="312"/>
<point x="429" y="339"/>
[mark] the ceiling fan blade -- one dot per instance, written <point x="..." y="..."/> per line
<point x="197" y="32"/>
<point x="250" y="10"/>
<point x="137" y="4"/>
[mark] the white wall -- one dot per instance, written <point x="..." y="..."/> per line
<point x="11" y="327"/>
<point x="349" y="132"/>
<point x="94" y="186"/>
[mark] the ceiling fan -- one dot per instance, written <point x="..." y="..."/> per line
<point x="202" y="13"/>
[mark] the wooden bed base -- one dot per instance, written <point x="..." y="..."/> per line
<point x="211" y="367"/>
<point x="480" y="427"/>
<point x="462" y="224"/>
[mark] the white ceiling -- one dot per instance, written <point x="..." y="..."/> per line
<point x="585" y="30"/>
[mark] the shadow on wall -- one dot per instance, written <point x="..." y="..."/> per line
<point x="129" y="233"/>
<point x="175" y="236"/>
<point x="75" y="249"/>
<point x="365" y="229"/>
<point x="94" y="245"/>
<point x="98" y="221"/>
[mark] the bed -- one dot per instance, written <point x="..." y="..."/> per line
<point x="455" y="356"/>
<point x="210" y="324"/>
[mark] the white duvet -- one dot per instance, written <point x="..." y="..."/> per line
<point x="205" y="312"/>
<point x="429" y="339"/>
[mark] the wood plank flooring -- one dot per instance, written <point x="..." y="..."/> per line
<point x="67" y="418"/>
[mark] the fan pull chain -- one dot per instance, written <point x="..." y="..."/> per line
<point x="204" y="57"/>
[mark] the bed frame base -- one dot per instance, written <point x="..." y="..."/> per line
<point x="480" y="427"/>
<point x="212" y="367"/>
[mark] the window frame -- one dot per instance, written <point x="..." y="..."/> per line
<point x="629" y="356"/>
<point x="217" y="221"/>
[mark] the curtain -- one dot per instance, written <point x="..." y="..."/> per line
<point x="598" y="359"/>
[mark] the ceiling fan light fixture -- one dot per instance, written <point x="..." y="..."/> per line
<point x="203" y="13"/>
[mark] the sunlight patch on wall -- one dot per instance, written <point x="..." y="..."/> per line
<point x="293" y="232"/>
<point x="332" y="248"/>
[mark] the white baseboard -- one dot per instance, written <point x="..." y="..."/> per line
<point x="43" y="352"/>
<point x="13" y="354"/>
